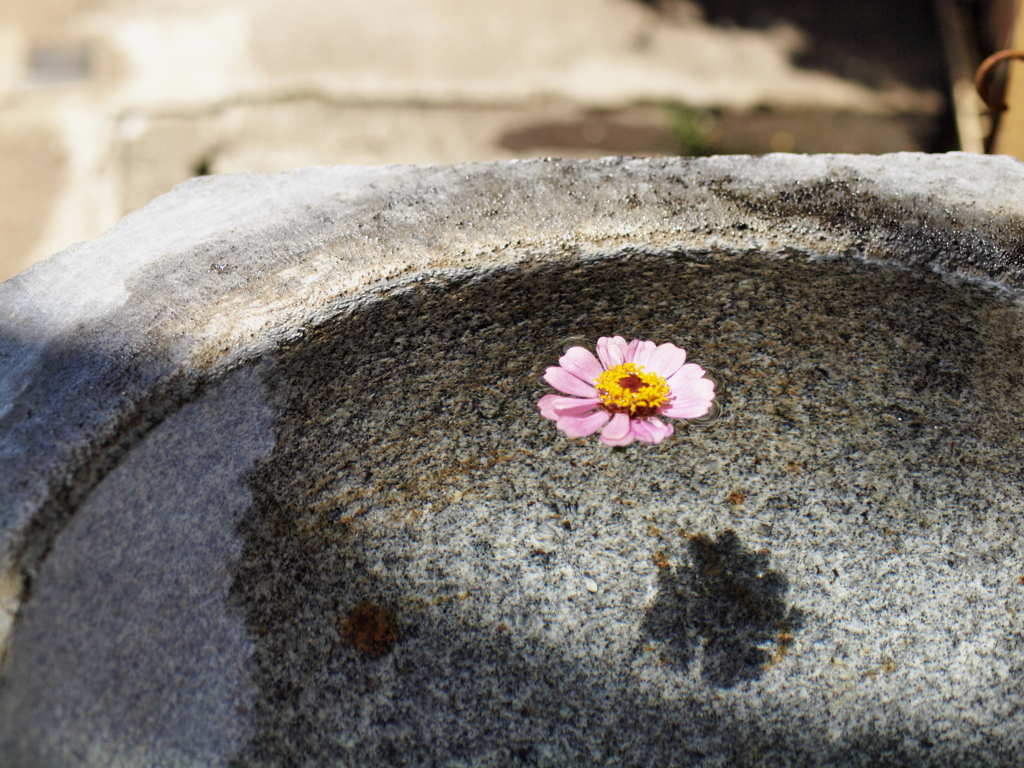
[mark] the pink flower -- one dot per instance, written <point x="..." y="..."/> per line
<point x="624" y="390"/>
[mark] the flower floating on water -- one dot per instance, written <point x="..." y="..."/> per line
<point x="624" y="390"/>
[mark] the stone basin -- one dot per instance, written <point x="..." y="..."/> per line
<point x="274" y="489"/>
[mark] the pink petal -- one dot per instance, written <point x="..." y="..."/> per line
<point x="651" y="430"/>
<point x="581" y="426"/>
<point x="611" y="350"/>
<point x="563" y="381"/>
<point x="546" y="406"/>
<point x="686" y="373"/>
<point x="643" y="354"/>
<point x="643" y="431"/>
<point x="631" y="350"/>
<point x="666" y="360"/>
<point x="619" y="342"/>
<point x="556" y="406"/>
<point x="618" y="431"/>
<point x="693" y="408"/>
<point x="581" y="363"/>
<point x="658" y="425"/>
<point x="702" y="388"/>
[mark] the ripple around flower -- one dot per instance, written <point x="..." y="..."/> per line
<point x="718" y="409"/>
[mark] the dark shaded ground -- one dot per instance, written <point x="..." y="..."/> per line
<point x="873" y="41"/>
<point x="692" y="132"/>
<point x="877" y="43"/>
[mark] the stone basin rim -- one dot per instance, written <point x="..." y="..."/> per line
<point x="252" y="261"/>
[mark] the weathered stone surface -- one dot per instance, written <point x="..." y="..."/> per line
<point x="265" y="400"/>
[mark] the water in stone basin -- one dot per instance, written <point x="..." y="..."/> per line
<point x="431" y="573"/>
<point x="788" y="580"/>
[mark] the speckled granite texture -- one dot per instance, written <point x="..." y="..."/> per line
<point x="827" y="574"/>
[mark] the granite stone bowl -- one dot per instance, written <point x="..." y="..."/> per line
<point x="274" y="489"/>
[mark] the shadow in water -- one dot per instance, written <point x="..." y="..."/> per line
<point x="729" y="601"/>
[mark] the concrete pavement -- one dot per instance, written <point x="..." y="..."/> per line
<point x="105" y="104"/>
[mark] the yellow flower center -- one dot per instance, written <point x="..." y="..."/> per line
<point x="628" y="388"/>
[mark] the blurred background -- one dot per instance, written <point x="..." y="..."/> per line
<point x="106" y="104"/>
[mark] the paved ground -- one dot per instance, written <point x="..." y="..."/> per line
<point x="105" y="104"/>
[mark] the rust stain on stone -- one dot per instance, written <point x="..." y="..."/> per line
<point x="370" y="629"/>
